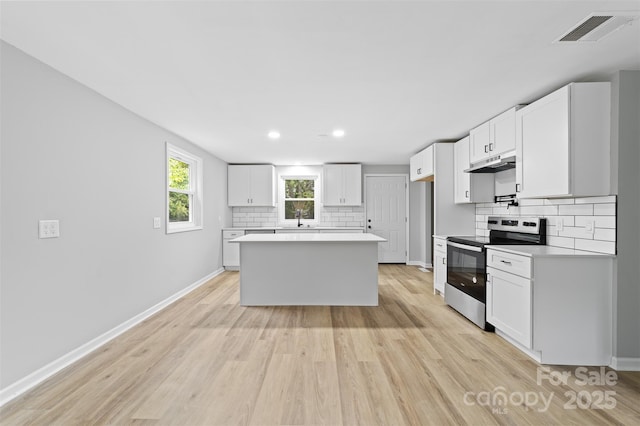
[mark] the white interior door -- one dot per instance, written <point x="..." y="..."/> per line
<point x="386" y="215"/>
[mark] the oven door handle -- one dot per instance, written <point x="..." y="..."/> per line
<point x="465" y="247"/>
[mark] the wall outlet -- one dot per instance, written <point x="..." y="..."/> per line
<point x="49" y="228"/>
<point x="590" y="226"/>
<point x="157" y="223"/>
<point x="559" y="224"/>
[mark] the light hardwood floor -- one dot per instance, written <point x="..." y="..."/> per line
<point x="205" y="360"/>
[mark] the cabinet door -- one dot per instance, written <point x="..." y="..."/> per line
<point x="439" y="273"/>
<point x="332" y="185"/>
<point x="503" y="133"/>
<point x="427" y="162"/>
<point x="479" y="142"/>
<point x="415" y="166"/>
<point x="262" y="185"/>
<point x="542" y="147"/>
<point x="462" y="183"/>
<point x="352" y="183"/>
<point x="509" y="305"/>
<point x="238" y="193"/>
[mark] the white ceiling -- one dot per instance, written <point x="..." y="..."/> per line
<point x="396" y="76"/>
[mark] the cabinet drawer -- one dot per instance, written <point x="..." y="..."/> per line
<point x="440" y="246"/>
<point x="512" y="263"/>
<point x="232" y="234"/>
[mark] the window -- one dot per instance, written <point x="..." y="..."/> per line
<point x="298" y="197"/>
<point x="184" y="190"/>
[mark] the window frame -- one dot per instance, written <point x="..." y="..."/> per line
<point x="195" y="191"/>
<point x="281" y="199"/>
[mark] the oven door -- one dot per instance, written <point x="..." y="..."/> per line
<point x="466" y="269"/>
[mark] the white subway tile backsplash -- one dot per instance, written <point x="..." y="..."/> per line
<point x="532" y="202"/>
<point x="604" y="234"/>
<point x="604" y="209"/>
<point x="600" y="221"/>
<point x="561" y="242"/>
<point x="268" y="216"/>
<point x="574" y="214"/>
<point x="502" y="211"/>
<point x="575" y="232"/>
<point x="558" y="201"/>
<point x="596" y="200"/>
<point x="539" y="211"/>
<point x="573" y="210"/>
<point x="566" y="220"/>
<point x="596" y="245"/>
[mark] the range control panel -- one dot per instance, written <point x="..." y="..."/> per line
<point x="530" y="225"/>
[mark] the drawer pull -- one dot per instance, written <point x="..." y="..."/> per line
<point x="505" y="262"/>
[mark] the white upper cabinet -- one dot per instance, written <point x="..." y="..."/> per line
<point x="495" y="137"/>
<point x="470" y="187"/>
<point x="342" y="184"/>
<point x="479" y="140"/>
<point x="563" y="143"/>
<point x="421" y="165"/>
<point x="251" y="185"/>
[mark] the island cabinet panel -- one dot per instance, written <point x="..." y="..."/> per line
<point x="251" y="185"/>
<point x="342" y="184"/>
<point x="563" y="143"/>
<point x="338" y="269"/>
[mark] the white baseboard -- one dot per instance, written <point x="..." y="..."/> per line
<point x="535" y="355"/>
<point x="21" y="386"/>
<point x="419" y="263"/>
<point x="625" y="364"/>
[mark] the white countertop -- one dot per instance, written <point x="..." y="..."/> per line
<point x="304" y="237"/>
<point x="302" y="228"/>
<point x="546" y="251"/>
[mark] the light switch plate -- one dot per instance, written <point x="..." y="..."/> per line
<point x="559" y="224"/>
<point x="49" y="228"/>
<point x="157" y="222"/>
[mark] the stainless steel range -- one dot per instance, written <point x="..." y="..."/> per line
<point x="466" y="290"/>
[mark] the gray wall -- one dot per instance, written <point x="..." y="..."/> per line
<point x="68" y="153"/>
<point x="626" y="155"/>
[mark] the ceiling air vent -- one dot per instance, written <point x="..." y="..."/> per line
<point x="598" y="25"/>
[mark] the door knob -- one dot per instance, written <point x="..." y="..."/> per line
<point x="369" y="226"/>
<point x="369" y="220"/>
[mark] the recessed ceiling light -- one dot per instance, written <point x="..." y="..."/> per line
<point x="338" y="133"/>
<point x="274" y="134"/>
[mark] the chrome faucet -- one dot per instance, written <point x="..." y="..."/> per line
<point x="299" y="216"/>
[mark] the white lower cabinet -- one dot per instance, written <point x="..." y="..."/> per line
<point x="554" y="303"/>
<point x="509" y="304"/>
<point x="439" y="264"/>
<point x="231" y="251"/>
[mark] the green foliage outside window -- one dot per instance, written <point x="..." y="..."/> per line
<point x="299" y="195"/>
<point x="179" y="202"/>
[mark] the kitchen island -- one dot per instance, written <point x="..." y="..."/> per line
<point x="309" y="269"/>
